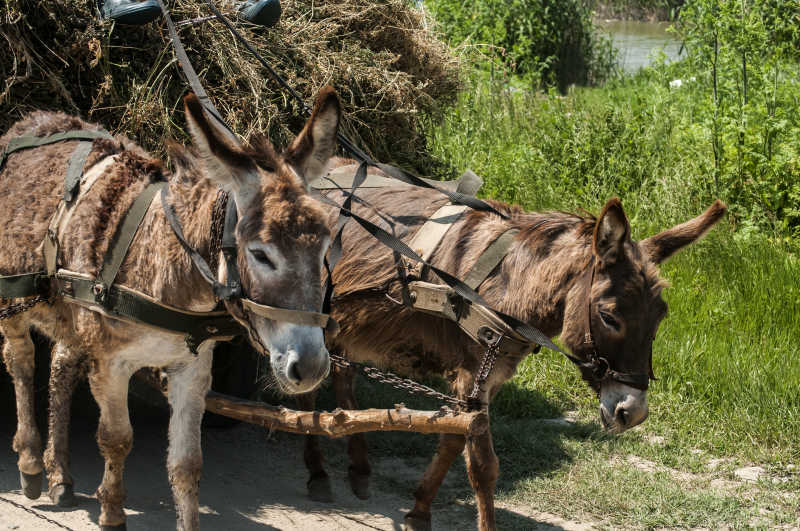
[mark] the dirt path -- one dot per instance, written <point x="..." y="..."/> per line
<point x="251" y="481"/>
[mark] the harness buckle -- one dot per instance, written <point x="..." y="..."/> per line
<point x="100" y="291"/>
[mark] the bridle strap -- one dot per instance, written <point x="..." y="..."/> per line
<point x="597" y="365"/>
<point x="226" y="291"/>
<point x="299" y="317"/>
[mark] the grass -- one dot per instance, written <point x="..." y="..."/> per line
<point x="727" y="356"/>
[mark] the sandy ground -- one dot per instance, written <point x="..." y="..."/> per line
<point x="251" y="481"/>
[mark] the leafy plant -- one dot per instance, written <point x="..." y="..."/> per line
<point x="547" y="42"/>
<point x="744" y="54"/>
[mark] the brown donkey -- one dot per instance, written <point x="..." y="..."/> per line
<point x="564" y="274"/>
<point x="281" y="239"/>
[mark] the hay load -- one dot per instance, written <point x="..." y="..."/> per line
<point x="382" y="58"/>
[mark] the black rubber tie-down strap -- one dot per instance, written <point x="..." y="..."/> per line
<point x="525" y="330"/>
<point x="335" y="248"/>
<point x="77" y="161"/>
<point x="392" y="171"/>
<point x="124" y="236"/>
<point x="26" y="142"/>
<point x="191" y="75"/>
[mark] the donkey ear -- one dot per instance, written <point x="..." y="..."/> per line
<point x="226" y="163"/>
<point x="611" y="232"/>
<point x="310" y="151"/>
<point x="661" y="246"/>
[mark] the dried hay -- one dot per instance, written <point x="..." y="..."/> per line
<point x="381" y="56"/>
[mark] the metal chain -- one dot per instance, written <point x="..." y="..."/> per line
<point x="217" y="227"/>
<point x="487" y="364"/>
<point x="24" y="306"/>
<point x="410" y="386"/>
<point x="35" y="513"/>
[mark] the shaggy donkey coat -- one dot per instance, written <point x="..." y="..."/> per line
<point x="281" y="240"/>
<point x="542" y="281"/>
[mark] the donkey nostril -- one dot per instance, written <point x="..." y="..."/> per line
<point x="623" y="416"/>
<point x="294" y="372"/>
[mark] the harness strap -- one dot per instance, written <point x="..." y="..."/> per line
<point x="75" y="170"/>
<point x="123" y="238"/>
<point x="229" y="249"/>
<point x="131" y="305"/>
<point x="60" y="219"/>
<point x="343" y="177"/>
<point x="25" y="285"/>
<point x="530" y="333"/>
<point x="27" y="142"/>
<point x="317" y="319"/>
<point x="489" y="259"/>
<point x="480" y="323"/>
<point x="428" y="237"/>
<point x="221" y="291"/>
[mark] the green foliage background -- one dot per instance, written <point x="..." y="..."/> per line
<point x="548" y="42"/>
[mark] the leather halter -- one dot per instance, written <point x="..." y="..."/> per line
<point x="231" y="291"/>
<point x="596" y="367"/>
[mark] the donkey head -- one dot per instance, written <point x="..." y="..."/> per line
<point x="281" y="234"/>
<point x="617" y="306"/>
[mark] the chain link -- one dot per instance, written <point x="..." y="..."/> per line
<point x="24" y="306"/>
<point x="410" y="386"/>
<point x="487" y="364"/>
<point x="35" y="513"/>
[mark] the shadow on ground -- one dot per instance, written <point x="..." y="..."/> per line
<point x="256" y="480"/>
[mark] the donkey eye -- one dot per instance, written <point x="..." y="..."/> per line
<point x="609" y="320"/>
<point x="262" y="258"/>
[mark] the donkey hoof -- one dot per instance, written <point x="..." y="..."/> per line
<point x="118" y="527"/>
<point x="319" y="489"/>
<point x="63" y="495"/>
<point x="417" y="523"/>
<point x="359" y="483"/>
<point x="31" y="485"/>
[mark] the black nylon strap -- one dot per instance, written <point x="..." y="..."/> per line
<point x="123" y="238"/>
<point x="335" y="248"/>
<point x="454" y="196"/>
<point x="525" y="330"/>
<point x="27" y="142"/>
<point x="191" y="76"/>
<point x="392" y="171"/>
<point x="25" y="285"/>
<point x="77" y="161"/>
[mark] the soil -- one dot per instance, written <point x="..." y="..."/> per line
<point x="252" y="480"/>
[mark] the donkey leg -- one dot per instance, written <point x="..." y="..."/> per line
<point x="188" y="385"/>
<point x="66" y="368"/>
<point x="319" y="484"/>
<point x="419" y="519"/>
<point x="359" y="471"/>
<point x="482" y="469"/>
<point x="18" y="353"/>
<point x="109" y="381"/>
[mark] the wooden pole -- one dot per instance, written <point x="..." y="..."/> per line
<point x="340" y="422"/>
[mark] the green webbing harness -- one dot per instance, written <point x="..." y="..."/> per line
<point x="101" y="294"/>
<point x="30" y="284"/>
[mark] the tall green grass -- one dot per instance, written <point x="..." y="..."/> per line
<point x="728" y="354"/>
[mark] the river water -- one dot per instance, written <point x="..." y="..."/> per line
<point x="637" y="42"/>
